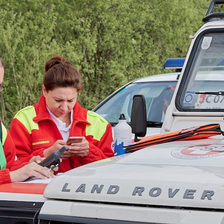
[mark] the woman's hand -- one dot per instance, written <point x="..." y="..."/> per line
<point x="31" y="170"/>
<point x="79" y="149"/>
<point x="38" y="159"/>
<point x="57" y="145"/>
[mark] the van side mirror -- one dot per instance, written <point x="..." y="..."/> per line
<point x="138" y="117"/>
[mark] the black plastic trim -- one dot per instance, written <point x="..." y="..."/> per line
<point x="27" y="204"/>
<point x="45" y="218"/>
<point x="210" y="15"/>
<point x="13" y="212"/>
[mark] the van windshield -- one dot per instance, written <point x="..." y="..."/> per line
<point x="157" y="97"/>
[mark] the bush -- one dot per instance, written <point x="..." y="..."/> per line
<point x="110" y="42"/>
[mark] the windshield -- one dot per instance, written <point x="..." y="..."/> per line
<point x="203" y="88"/>
<point x="157" y="97"/>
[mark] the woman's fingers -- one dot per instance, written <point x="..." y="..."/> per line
<point x="36" y="159"/>
<point x="35" y="170"/>
<point x="30" y="170"/>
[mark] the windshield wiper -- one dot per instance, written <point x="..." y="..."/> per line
<point x="113" y="124"/>
<point x="221" y="93"/>
<point x="149" y="124"/>
<point x="154" y="124"/>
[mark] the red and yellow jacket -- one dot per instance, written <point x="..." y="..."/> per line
<point x="33" y="130"/>
<point x="7" y="160"/>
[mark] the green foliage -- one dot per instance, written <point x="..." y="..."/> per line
<point x="110" y="41"/>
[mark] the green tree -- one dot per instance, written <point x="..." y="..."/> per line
<point x="110" y="41"/>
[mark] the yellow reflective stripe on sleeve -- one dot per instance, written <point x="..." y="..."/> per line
<point x="25" y="116"/>
<point x="98" y="125"/>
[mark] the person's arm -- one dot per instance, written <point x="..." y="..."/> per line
<point x="30" y="170"/>
<point x="99" y="149"/>
<point x="10" y="153"/>
<point x="15" y="170"/>
<point x="25" y="145"/>
<point x="5" y="176"/>
<point x="93" y="151"/>
<point x="23" y="141"/>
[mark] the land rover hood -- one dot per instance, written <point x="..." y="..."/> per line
<point x="181" y="173"/>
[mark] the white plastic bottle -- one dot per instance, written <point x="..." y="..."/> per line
<point x="122" y="135"/>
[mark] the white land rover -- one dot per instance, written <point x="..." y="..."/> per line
<point x="178" y="182"/>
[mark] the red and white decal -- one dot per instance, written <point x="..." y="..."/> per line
<point x="198" y="151"/>
<point x="23" y="188"/>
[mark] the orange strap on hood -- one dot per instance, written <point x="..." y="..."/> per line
<point x="192" y="133"/>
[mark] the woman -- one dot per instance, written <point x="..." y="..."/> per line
<point x="45" y="127"/>
<point x="11" y="170"/>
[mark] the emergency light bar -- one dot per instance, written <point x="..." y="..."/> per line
<point x="174" y="63"/>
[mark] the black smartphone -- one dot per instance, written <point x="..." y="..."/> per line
<point x="53" y="159"/>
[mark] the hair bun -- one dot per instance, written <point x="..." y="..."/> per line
<point x="56" y="60"/>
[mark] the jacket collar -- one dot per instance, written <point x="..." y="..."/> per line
<point x="79" y="113"/>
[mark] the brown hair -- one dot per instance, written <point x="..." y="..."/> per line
<point x="1" y="63"/>
<point x="59" y="72"/>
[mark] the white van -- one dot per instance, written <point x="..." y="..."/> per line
<point x="157" y="90"/>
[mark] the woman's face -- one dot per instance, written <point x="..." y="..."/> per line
<point x="60" y="101"/>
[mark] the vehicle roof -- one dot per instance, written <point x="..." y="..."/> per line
<point x="160" y="77"/>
